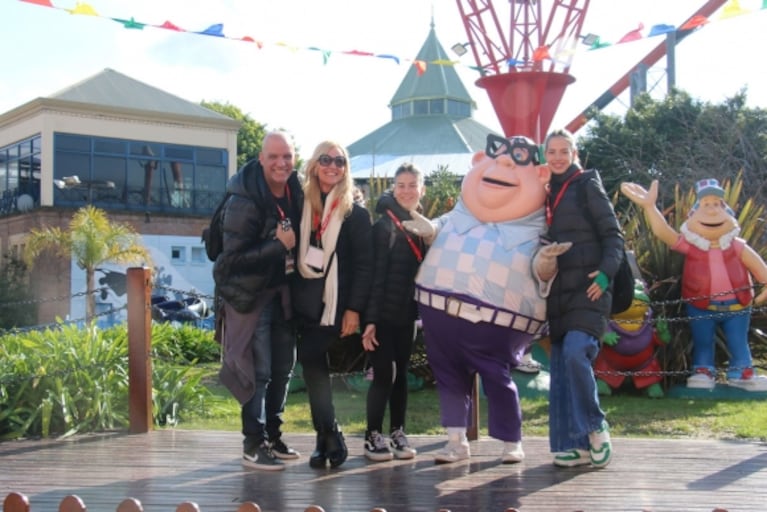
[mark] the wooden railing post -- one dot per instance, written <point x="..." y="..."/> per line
<point x="472" y="432"/>
<point x="139" y="346"/>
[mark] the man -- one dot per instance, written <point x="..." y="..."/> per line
<point x="252" y="275"/>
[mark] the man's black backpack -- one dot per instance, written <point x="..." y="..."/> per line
<point x="213" y="235"/>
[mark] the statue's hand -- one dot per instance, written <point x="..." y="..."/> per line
<point x="637" y="194"/>
<point x="610" y="338"/>
<point x="545" y="261"/>
<point x="420" y="226"/>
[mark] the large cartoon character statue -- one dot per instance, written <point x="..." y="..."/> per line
<point x="630" y="347"/>
<point x="716" y="280"/>
<point x="479" y="301"/>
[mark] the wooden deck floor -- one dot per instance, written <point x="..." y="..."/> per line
<point x="167" y="467"/>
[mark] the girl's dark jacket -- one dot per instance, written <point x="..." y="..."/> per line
<point x="253" y="260"/>
<point x="392" y="296"/>
<point x="584" y="216"/>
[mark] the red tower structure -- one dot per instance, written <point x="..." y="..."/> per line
<point x="524" y="83"/>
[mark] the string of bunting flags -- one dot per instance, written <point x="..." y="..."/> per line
<point x="592" y="42"/>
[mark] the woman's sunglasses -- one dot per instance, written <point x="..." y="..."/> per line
<point x="338" y="161"/>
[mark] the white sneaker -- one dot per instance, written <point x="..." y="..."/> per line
<point x="453" y="452"/>
<point x="528" y="364"/>
<point x="572" y="458"/>
<point x="601" y="448"/>
<point x="376" y="447"/>
<point x="512" y="452"/>
<point x="749" y="381"/>
<point x="701" y="380"/>
<point x="400" y="445"/>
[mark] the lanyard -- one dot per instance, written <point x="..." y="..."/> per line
<point x="279" y="209"/>
<point x="413" y="246"/>
<point x="549" y="207"/>
<point x="321" y="228"/>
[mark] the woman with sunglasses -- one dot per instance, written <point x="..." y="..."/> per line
<point x="334" y="246"/>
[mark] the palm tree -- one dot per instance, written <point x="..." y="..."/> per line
<point x="91" y="240"/>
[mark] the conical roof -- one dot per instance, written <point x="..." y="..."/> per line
<point x="431" y="123"/>
<point x="110" y="88"/>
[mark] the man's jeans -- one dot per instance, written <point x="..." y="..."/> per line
<point x="274" y="354"/>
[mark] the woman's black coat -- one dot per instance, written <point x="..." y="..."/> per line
<point x="392" y="297"/>
<point x="584" y="216"/>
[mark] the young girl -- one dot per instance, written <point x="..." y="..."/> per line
<point x="578" y="306"/>
<point x="391" y="314"/>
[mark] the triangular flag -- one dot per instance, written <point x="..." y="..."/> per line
<point x="597" y="44"/>
<point x="444" y="62"/>
<point x="292" y="48"/>
<point x="634" y="35"/>
<point x="47" y="3"/>
<point x="420" y="67"/>
<point x="661" y="28"/>
<point x="357" y="52"/>
<point x="249" y="39"/>
<point x="541" y="53"/>
<point x="694" y="22"/>
<point x="83" y="9"/>
<point x="396" y="59"/>
<point x="764" y="4"/>
<point x="170" y="26"/>
<point x="512" y="62"/>
<point x="325" y="53"/>
<point x="131" y="23"/>
<point x="216" y="30"/>
<point x="732" y="9"/>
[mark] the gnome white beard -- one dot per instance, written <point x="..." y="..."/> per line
<point x="704" y="244"/>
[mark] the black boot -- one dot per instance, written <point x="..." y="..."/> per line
<point x="318" y="459"/>
<point x="335" y="447"/>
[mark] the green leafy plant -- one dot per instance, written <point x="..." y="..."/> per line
<point x="443" y="188"/>
<point x="68" y="380"/>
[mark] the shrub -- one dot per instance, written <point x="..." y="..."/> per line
<point x="68" y="380"/>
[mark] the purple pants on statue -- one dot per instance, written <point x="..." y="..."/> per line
<point x="457" y="349"/>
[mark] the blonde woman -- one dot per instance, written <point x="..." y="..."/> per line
<point x="334" y="253"/>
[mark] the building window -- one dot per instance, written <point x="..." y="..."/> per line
<point x="437" y="106"/>
<point x="198" y="255"/>
<point x="178" y="254"/>
<point x="20" y="176"/>
<point x="458" y="108"/>
<point x="137" y="175"/>
<point x="420" y="107"/>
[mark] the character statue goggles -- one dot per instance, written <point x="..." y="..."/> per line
<point x="521" y="149"/>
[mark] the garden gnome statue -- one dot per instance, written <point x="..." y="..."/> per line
<point x="481" y="290"/>
<point x="716" y="280"/>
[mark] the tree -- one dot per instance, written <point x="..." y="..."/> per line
<point x="91" y="240"/>
<point x="679" y="140"/>
<point x="16" y="307"/>
<point x="251" y="132"/>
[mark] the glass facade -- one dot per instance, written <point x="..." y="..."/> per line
<point x="137" y="175"/>
<point x="20" y="176"/>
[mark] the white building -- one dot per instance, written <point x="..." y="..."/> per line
<point x="148" y="158"/>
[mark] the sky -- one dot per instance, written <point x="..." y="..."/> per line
<point x="285" y="84"/>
